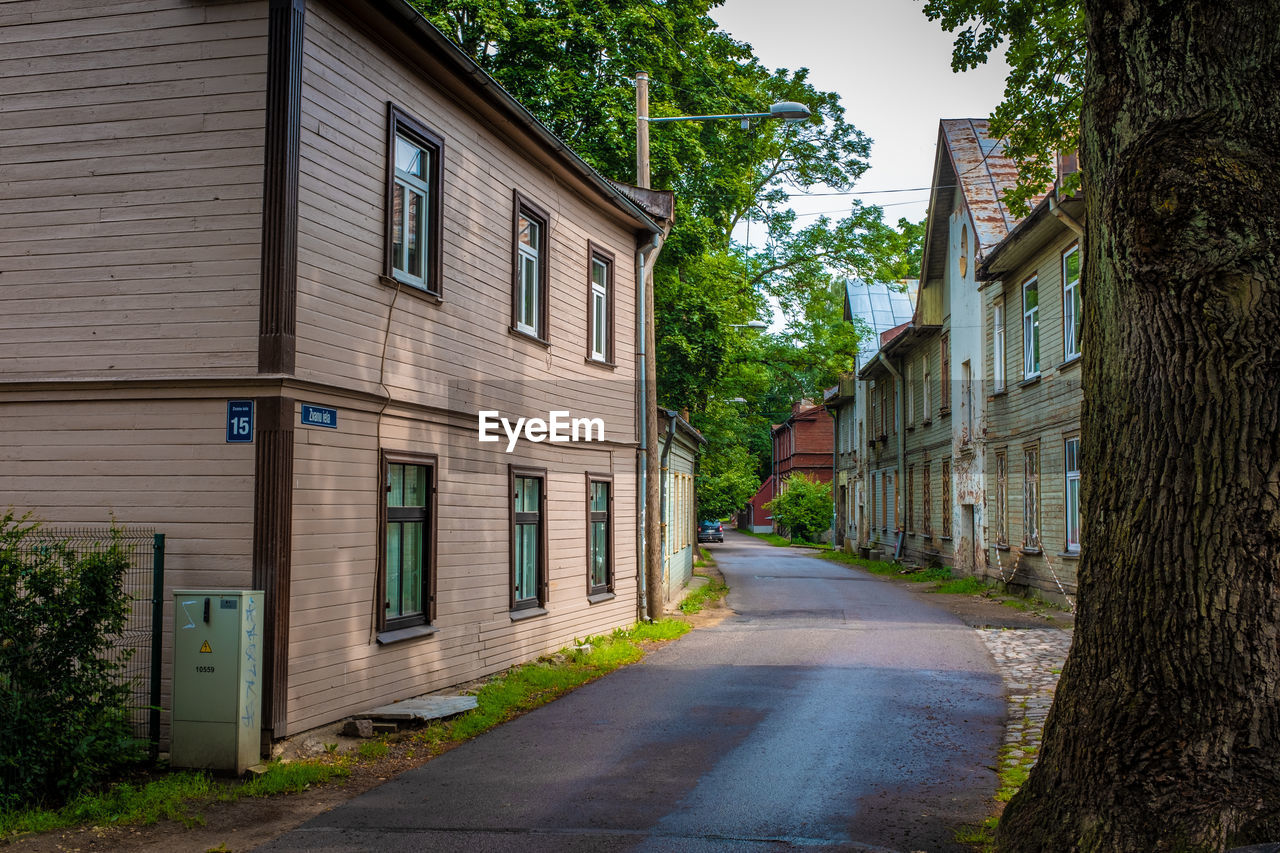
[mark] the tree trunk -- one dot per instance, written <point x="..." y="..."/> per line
<point x="1165" y="733"/>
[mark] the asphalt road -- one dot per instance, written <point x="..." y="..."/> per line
<point x="832" y="711"/>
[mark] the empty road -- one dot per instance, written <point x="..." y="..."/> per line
<point x="830" y="711"/>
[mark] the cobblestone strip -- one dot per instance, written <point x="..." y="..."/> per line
<point x="1029" y="661"/>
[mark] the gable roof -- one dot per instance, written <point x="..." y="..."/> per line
<point x="968" y="158"/>
<point x="881" y="305"/>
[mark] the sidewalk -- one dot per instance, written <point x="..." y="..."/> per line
<point x="1030" y="662"/>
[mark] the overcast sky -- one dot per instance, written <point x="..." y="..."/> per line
<point x="892" y="68"/>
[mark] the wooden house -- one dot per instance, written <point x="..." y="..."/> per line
<point x="1031" y="296"/>
<point x="925" y="416"/>
<point x="264" y="266"/>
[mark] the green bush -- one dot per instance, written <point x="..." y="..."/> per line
<point x="804" y="507"/>
<point x="64" y="726"/>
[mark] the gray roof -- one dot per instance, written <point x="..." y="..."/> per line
<point x="881" y="306"/>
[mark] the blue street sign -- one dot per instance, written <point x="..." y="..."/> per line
<point x="319" y="416"/>
<point x="239" y="422"/>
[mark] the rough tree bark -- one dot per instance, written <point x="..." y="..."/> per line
<point x="1165" y="734"/>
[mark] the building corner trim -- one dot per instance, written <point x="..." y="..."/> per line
<point x="277" y="311"/>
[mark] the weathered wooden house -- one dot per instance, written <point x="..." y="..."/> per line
<point x="263" y="266"/>
<point x="925" y="417"/>
<point x="1031" y="289"/>
<point x="875" y="307"/>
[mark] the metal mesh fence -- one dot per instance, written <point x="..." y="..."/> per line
<point x="138" y="645"/>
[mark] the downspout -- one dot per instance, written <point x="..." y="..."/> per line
<point x="643" y="251"/>
<point x="897" y="425"/>
<point x="1066" y="218"/>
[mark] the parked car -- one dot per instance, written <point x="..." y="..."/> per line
<point x="710" y="531"/>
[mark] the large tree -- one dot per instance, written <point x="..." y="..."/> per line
<point x="1165" y="731"/>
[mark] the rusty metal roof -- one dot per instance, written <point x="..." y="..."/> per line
<point x="983" y="173"/>
<point x="970" y="159"/>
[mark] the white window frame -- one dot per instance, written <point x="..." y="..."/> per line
<point x="598" y="321"/>
<point x="1030" y="330"/>
<point x="911" y="396"/>
<point x="528" y="295"/>
<point x="1071" y="305"/>
<point x="998" y="354"/>
<point x="1071" y="502"/>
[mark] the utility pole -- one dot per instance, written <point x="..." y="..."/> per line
<point x="652" y="485"/>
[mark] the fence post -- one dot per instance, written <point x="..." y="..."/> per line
<point x="157" y="638"/>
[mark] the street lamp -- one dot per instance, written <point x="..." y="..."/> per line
<point x="789" y="112"/>
<point x="754" y="324"/>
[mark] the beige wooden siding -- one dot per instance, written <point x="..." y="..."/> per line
<point x="336" y="666"/>
<point x="159" y="463"/>
<point x="131" y="148"/>
<point x="448" y="355"/>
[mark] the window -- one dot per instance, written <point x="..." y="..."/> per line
<point x="1071" y="316"/>
<point x="600" y="306"/>
<point x="997" y="347"/>
<point x="910" y="394"/>
<point x="599" y="534"/>
<point x="529" y="286"/>
<point x="872" y="501"/>
<point x="874" y="397"/>
<point x="964" y="250"/>
<point x="946" y="497"/>
<point x="407" y="541"/>
<point x="1002" y="497"/>
<point x="966" y="400"/>
<point x="884" y="500"/>
<point x="925" y="412"/>
<point x="528" y="538"/>
<point x="945" y="373"/>
<point x="911" y="498"/>
<point x="413" y="235"/>
<point x="1030" y="329"/>
<point x="891" y="405"/>
<point x="926" y="500"/>
<point x="1072" y="453"/>
<point x="1031" y="498"/>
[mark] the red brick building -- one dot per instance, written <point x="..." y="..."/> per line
<point x="802" y="444"/>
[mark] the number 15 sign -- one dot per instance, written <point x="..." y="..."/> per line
<point x="239" y="422"/>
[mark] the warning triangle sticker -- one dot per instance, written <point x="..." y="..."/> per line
<point x="205" y="650"/>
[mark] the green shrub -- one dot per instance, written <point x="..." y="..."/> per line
<point x="64" y="726"/>
<point x="804" y="507"/>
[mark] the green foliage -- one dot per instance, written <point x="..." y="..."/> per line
<point x="573" y="65"/>
<point x="292" y="777"/>
<point x="804" y="507"/>
<point x="703" y="595"/>
<point x="123" y="803"/>
<point x="962" y="586"/>
<point x="1040" y="113"/>
<point x="63" y="719"/>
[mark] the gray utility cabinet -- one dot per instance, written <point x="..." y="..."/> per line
<point x="217" y="681"/>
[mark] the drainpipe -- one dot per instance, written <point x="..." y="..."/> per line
<point x="1066" y="218"/>
<point x="902" y="433"/>
<point x="643" y="358"/>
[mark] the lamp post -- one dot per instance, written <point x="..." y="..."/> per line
<point x="789" y="112"/>
<point x="754" y="324"/>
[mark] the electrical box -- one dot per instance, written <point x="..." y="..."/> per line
<point x="217" y="679"/>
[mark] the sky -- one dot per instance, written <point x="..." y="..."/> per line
<point x="892" y="68"/>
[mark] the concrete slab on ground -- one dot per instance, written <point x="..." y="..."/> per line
<point x="422" y="708"/>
